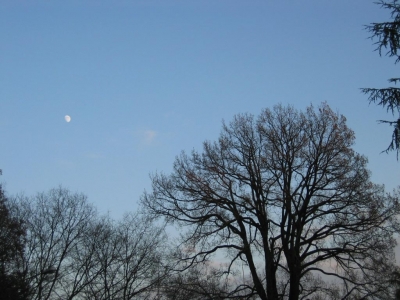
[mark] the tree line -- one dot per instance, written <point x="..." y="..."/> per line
<point x="64" y="250"/>
<point x="280" y="206"/>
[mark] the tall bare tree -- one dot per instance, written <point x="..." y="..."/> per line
<point x="286" y="197"/>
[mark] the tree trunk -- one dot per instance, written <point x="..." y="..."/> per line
<point x="272" y="291"/>
<point x="256" y="280"/>
<point x="294" y="290"/>
<point x="270" y="270"/>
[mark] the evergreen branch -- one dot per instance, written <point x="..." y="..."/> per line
<point x="386" y="97"/>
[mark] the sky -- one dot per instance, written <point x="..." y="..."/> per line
<point x="145" y="80"/>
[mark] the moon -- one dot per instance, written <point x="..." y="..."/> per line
<point x="67" y="118"/>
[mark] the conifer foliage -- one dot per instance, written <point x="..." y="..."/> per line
<point x="387" y="35"/>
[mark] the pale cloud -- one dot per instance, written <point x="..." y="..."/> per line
<point x="145" y="137"/>
<point x="149" y="136"/>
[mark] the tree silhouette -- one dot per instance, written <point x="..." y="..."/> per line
<point x="388" y="42"/>
<point x="13" y="286"/>
<point x="72" y="253"/>
<point x="285" y="200"/>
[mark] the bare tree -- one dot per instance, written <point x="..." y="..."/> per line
<point x="285" y="196"/>
<point x="72" y="253"/>
<point x="104" y="247"/>
<point x="56" y="224"/>
<point x="143" y="257"/>
<point x="129" y="258"/>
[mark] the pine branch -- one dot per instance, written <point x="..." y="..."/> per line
<point x="387" y="33"/>
<point x="386" y="97"/>
<point x="395" y="143"/>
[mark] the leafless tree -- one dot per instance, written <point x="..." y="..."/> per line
<point x="285" y="196"/>
<point x="73" y="253"/>
<point x="130" y="259"/>
<point x="56" y="224"/>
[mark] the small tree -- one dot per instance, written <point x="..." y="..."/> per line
<point x="388" y="35"/>
<point x="283" y="199"/>
<point x="13" y="285"/>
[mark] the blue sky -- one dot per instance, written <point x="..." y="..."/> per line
<point x="144" y="80"/>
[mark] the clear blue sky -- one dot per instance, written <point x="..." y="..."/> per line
<point x="144" y="80"/>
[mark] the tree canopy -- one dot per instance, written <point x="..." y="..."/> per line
<point x="73" y="253"/>
<point x="13" y="285"/>
<point x="387" y="35"/>
<point x="283" y="200"/>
